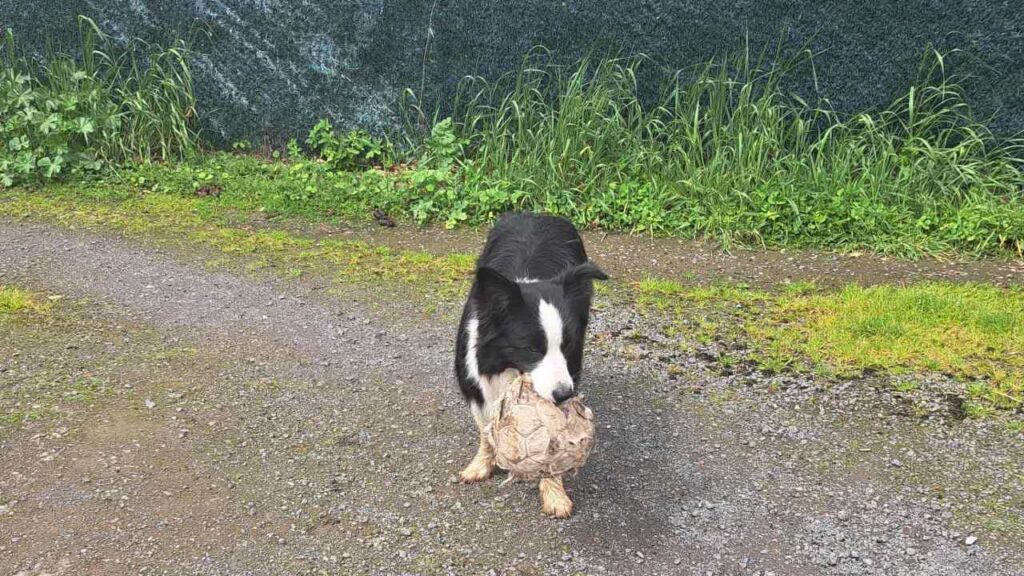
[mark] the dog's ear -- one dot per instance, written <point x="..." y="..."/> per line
<point x="578" y="281"/>
<point x="495" y="295"/>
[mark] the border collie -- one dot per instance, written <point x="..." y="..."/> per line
<point x="527" y="312"/>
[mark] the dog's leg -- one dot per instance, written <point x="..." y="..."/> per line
<point x="482" y="465"/>
<point x="493" y="389"/>
<point x="554" y="501"/>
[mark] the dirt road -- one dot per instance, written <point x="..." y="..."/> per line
<point x="229" y="424"/>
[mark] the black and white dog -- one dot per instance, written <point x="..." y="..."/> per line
<point x="527" y="312"/>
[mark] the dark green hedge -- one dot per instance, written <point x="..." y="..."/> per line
<point x="271" y="68"/>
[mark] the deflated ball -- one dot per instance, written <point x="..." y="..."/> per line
<point x="533" y="438"/>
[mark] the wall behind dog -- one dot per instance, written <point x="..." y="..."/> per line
<point x="271" y="68"/>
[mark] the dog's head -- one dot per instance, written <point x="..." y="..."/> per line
<point x="535" y="327"/>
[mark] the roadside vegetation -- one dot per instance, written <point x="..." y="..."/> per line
<point x="70" y="116"/>
<point x="726" y="153"/>
<point x="108" y="138"/>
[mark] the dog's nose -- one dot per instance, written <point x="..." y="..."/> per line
<point x="564" y="393"/>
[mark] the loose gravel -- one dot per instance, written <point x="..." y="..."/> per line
<point x="266" y="426"/>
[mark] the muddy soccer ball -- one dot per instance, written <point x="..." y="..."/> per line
<point x="534" y="438"/>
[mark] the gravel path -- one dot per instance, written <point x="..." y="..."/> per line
<point x="265" y="426"/>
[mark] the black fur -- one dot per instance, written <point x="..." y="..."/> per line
<point x="548" y="250"/>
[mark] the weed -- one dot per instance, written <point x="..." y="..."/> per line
<point x="352" y="151"/>
<point x="77" y="114"/>
<point x="905" y="386"/>
<point x="976" y="410"/>
<point x="728" y="153"/>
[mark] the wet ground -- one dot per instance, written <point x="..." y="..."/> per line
<point x="226" y="423"/>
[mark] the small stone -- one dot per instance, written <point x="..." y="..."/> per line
<point x="970" y="540"/>
<point x="843" y="515"/>
<point x="150" y="404"/>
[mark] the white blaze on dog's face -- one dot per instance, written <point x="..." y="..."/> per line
<point x="536" y="327"/>
<point x="551" y="377"/>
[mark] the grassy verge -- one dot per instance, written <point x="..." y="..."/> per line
<point x="726" y="152"/>
<point x="207" y="222"/>
<point x="971" y="332"/>
<point x="728" y="156"/>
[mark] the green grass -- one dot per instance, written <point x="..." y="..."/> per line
<point x="298" y="187"/>
<point x="728" y="153"/>
<point x="15" y="300"/>
<point x="973" y="332"/>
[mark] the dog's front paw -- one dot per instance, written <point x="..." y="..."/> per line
<point x="479" y="469"/>
<point x="554" y="501"/>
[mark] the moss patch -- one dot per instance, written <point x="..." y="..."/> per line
<point x="973" y="332"/>
<point x="171" y="217"/>
<point x="15" y="300"/>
